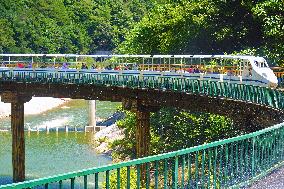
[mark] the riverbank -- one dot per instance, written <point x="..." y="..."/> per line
<point x="36" y="105"/>
<point x="106" y="136"/>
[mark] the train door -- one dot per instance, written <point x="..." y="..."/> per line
<point x="246" y="72"/>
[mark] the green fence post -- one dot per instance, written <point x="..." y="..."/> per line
<point x="253" y="157"/>
<point x="189" y="169"/>
<point x="156" y="174"/>
<point x="138" y="176"/>
<point x="165" y="174"/>
<point x="203" y="168"/>
<point x="85" y="182"/>
<point x="196" y="169"/>
<point x="107" y="179"/>
<point x="182" y="172"/>
<point x="72" y="183"/>
<point x="176" y="173"/>
<point x="128" y="178"/>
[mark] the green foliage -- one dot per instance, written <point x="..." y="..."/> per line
<point x="178" y="129"/>
<point x="210" y="27"/>
<point x="66" y="26"/>
<point x="6" y="37"/>
<point x="270" y="15"/>
<point x="191" y="27"/>
<point x="125" y="148"/>
<point x="123" y="179"/>
<point x="143" y="26"/>
<point x="173" y="129"/>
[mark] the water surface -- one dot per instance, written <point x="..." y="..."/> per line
<point x="55" y="153"/>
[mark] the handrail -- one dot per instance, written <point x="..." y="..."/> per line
<point x="223" y="163"/>
<point x="70" y="175"/>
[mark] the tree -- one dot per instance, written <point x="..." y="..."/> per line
<point x="6" y="38"/>
<point x="173" y="129"/>
<point x="209" y="27"/>
<point x="67" y="26"/>
<point x="270" y="15"/>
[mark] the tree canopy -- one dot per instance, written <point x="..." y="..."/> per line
<point x="210" y="27"/>
<point x="66" y="26"/>
<point x="143" y="26"/>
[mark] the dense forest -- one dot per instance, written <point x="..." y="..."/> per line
<point x="67" y="26"/>
<point x="143" y="26"/>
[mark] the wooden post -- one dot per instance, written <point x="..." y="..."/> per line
<point x="18" y="141"/>
<point x="142" y="140"/>
<point x="18" y="135"/>
<point x="143" y="137"/>
<point x="142" y="110"/>
<point x="142" y="133"/>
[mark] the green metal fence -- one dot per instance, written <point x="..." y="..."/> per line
<point x="226" y="163"/>
<point x="249" y="93"/>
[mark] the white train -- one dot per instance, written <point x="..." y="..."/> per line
<point x="224" y="68"/>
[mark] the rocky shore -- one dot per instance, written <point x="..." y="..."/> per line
<point x="105" y="136"/>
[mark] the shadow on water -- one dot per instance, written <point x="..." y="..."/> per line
<point x="6" y="180"/>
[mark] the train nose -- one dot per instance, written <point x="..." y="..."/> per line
<point x="273" y="81"/>
<point x="272" y="85"/>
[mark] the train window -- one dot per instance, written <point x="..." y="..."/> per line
<point x="260" y="64"/>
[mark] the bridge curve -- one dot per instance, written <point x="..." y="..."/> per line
<point x="251" y="116"/>
<point x="264" y="104"/>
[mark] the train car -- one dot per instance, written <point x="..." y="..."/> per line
<point x="224" y="68"/>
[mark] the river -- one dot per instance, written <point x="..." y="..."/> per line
<point x="55" y="153"/>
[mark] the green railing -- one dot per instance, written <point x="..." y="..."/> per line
<point x="223" y="164"/>
<point x="249" y="93"/>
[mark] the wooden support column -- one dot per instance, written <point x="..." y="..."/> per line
<point x="18" y="141"/>
<point x="18" y="138"/>
<point x="143" y="136"/>
<point x="142" y="133"/>
<point x="142" y="110"/>
<point x="142" y="139"/>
